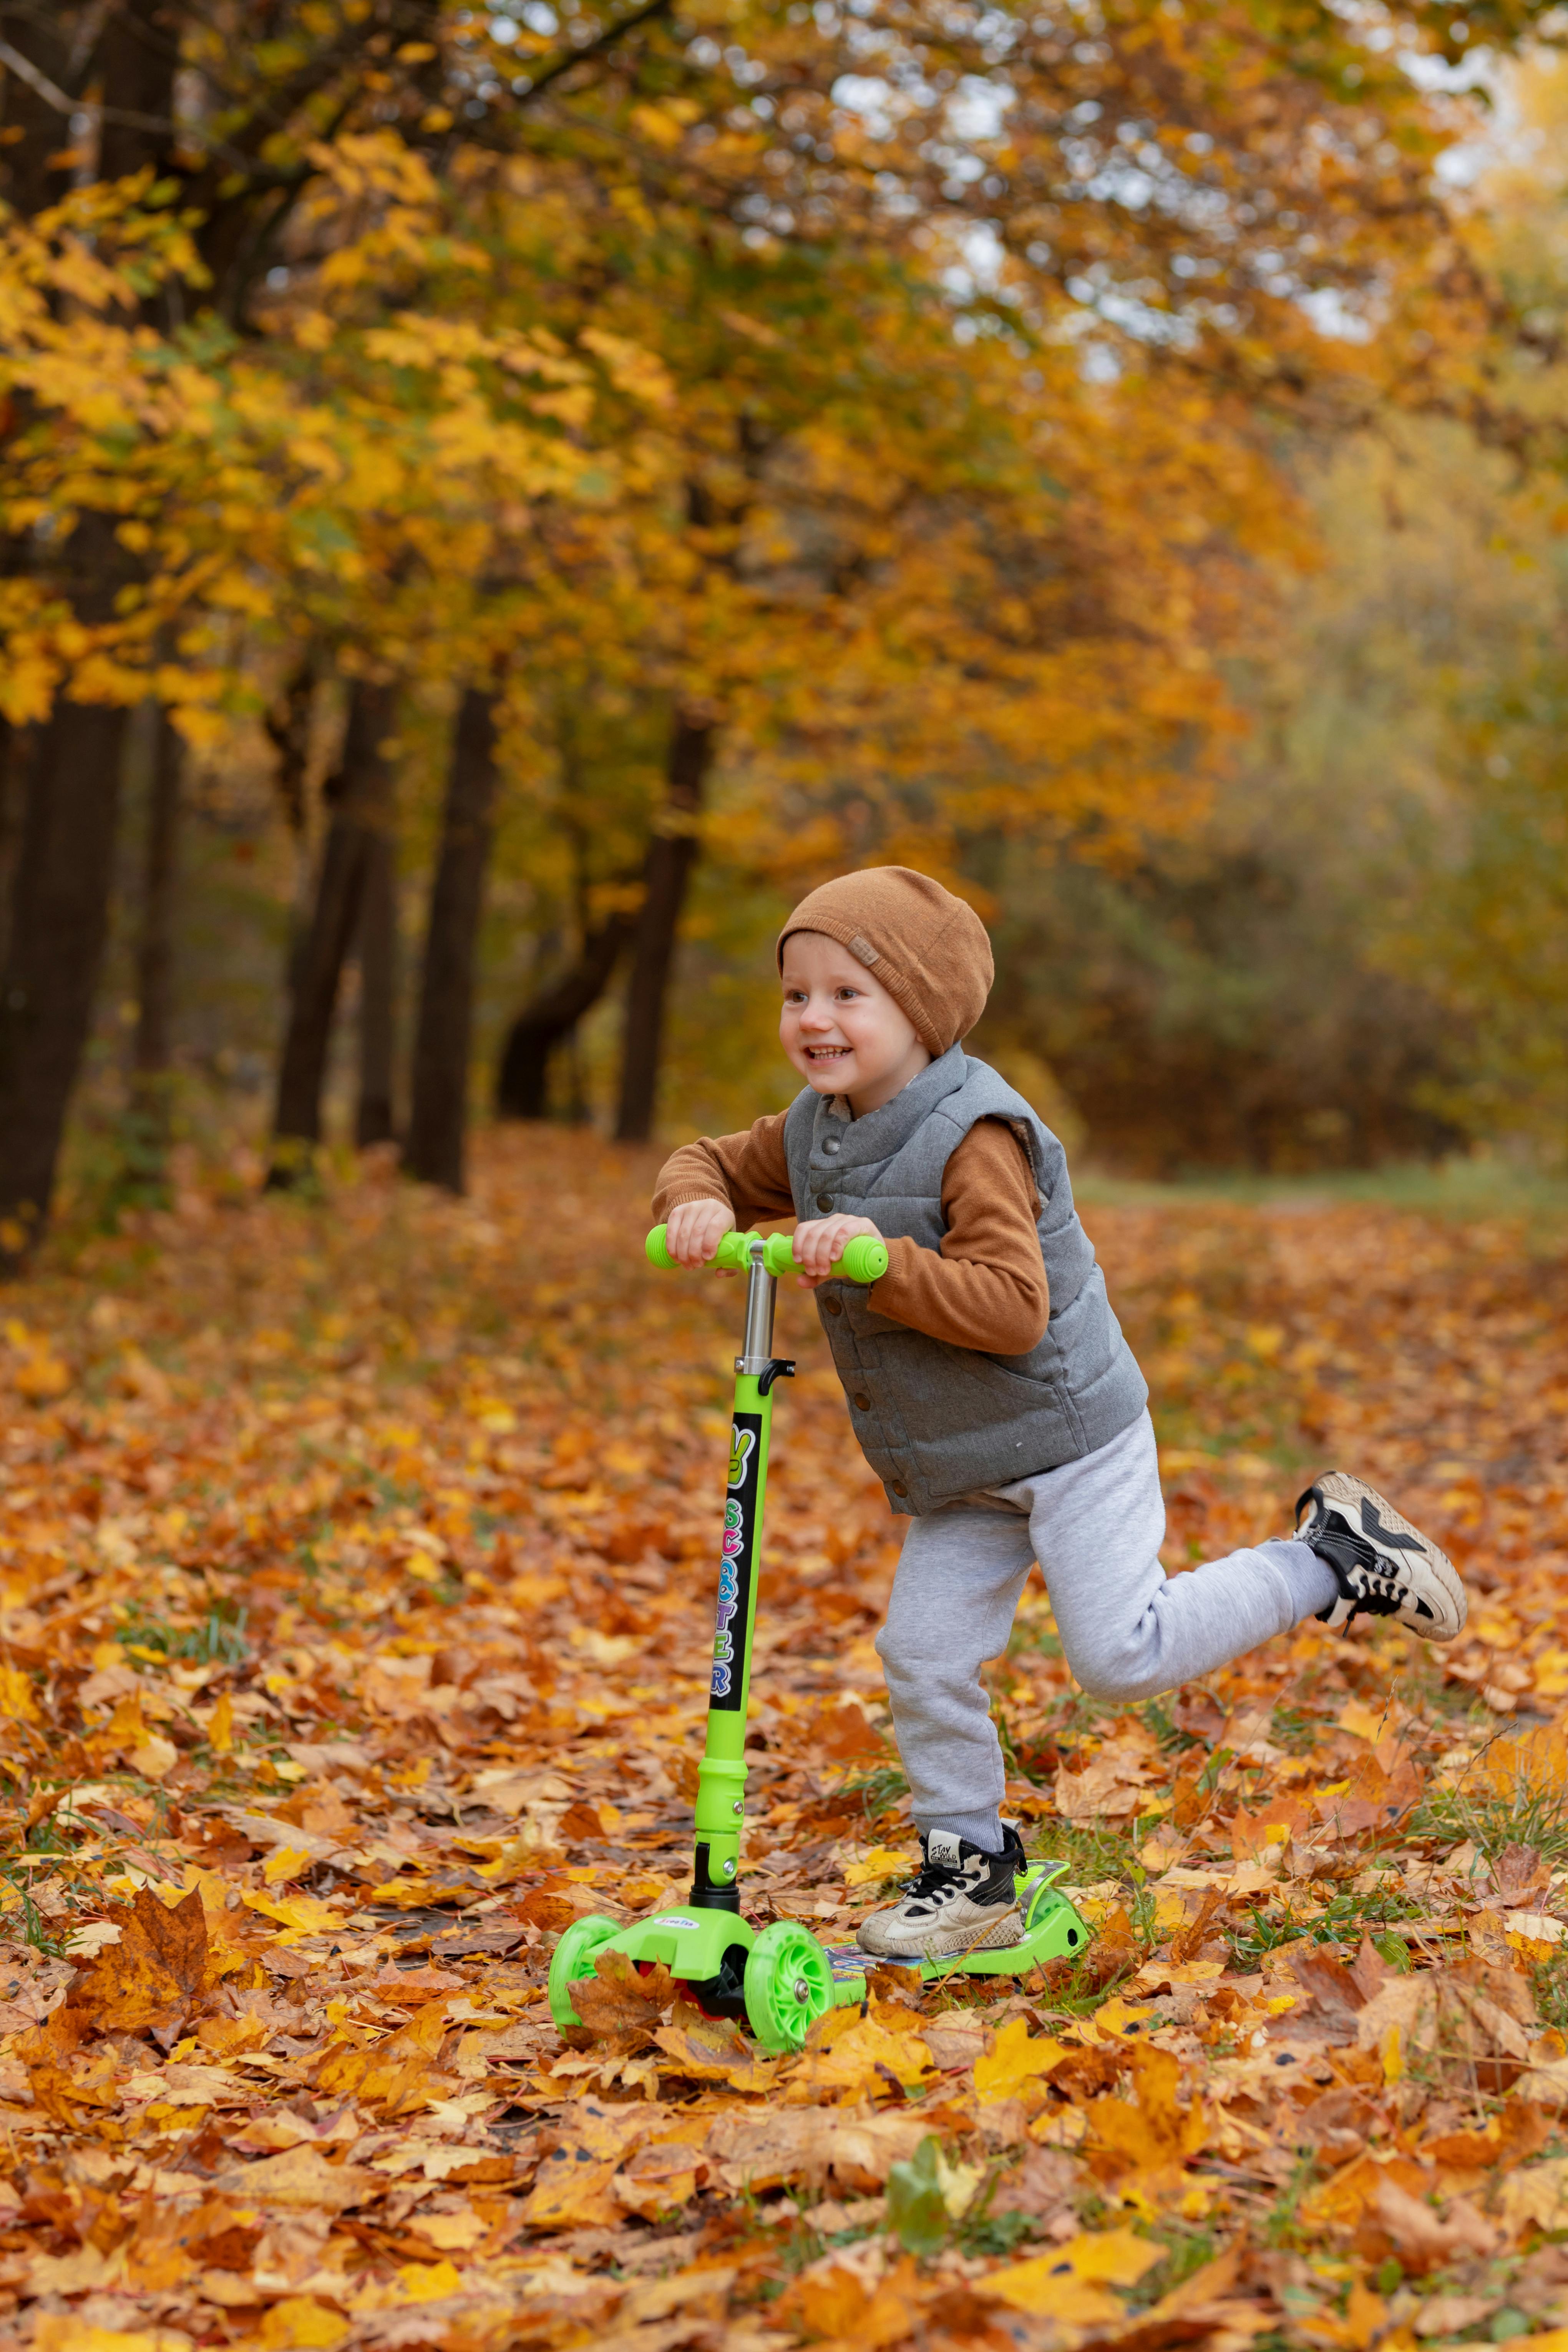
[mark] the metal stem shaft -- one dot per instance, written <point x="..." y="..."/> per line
<point x="761" y="1290"/>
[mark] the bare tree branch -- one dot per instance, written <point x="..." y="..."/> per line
<point x="39" y="83"/>
<point x="595" y="47"/>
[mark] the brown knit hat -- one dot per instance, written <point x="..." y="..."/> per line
<point x="926" y="948"/>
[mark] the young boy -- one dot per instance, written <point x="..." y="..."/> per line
<point x="989" y="1384"/>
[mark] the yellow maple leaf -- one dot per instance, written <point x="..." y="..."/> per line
<point x="1071" y="2283"/>
<point x="658" y="124"/>
<point x="882" y="1862"/>
<point x="1013" y="2058"/>
<point x="41" y="1376"/>
<point x="1114" y="2018"/>
<point x="284" y="1862"/>
<point x="299" y="2324"/>
<point x="428" y="2281"/>
<point x="17" y="1697"/>
<point x="63" y="2331"/>
<point x="299" y="1915"/>
<point x="850" y="2053"/>
<point x="126" y="1726"/>
<point x="632" y="368"/>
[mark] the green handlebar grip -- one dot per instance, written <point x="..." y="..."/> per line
<point x="733" y="1253"/>
<point x="864" y="1259"/>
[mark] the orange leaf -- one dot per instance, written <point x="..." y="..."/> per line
<point x="832" y="2300"/>
<point x="161" y="1967"/>
<point x="714" y="2050"/>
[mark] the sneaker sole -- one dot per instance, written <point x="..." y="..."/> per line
<point x="951" y="1943"/>
<point x="1346" y="1493"/>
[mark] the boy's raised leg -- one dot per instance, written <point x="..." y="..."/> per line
<point x="1128" y="1631"/>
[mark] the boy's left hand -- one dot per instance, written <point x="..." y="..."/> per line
<point x="819" y="1244"/>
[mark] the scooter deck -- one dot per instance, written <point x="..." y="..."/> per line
<point x="1053" y="1931"/>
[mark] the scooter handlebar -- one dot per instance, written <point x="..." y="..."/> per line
<point x="864" y="1260"/>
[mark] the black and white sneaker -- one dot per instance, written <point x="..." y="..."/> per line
<point x="1385" y="1567"/>
<point x="964" y="1900"/>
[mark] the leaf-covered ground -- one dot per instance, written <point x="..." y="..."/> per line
<point x="358" y="1574"/>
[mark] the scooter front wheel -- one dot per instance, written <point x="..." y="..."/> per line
<point x="573" y="1959"/>
<point x="789" y="1984"/>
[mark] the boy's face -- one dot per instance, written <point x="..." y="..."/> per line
<point x="844" y="1033"/>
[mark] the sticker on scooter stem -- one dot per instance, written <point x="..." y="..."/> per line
<point x="735" y="1561"/>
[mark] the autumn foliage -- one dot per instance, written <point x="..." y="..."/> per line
<point x="614" y="466"/>
<point x="358" y="1561"/>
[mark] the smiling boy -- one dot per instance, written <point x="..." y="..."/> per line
<point x="990" y="1386"/>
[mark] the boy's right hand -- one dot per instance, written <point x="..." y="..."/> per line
<point x="693" y="1232"/>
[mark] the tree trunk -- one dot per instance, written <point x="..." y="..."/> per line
<point x="671" y="854"/>
<point x="152" y="1049"/>
<point x="137" y="57"/>
<point x="289" y="722"/>
<point x="60" y="923"/>
<point x="18" y="749"/>
<point x="66" y="863"/>
<point x="522" y="1089"/>
<point x="375" y="1120"/>
<point x="360" y="798"/>
<point x="437" y="1117"/>
<point x="160" y="873"/>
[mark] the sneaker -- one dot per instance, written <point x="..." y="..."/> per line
<point x="1384" y="1566"/>
<point x="964" y="1900"/>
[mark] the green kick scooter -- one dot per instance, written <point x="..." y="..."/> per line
<point x="779" y="1979"/>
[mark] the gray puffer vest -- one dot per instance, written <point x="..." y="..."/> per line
<point x="936" y="1422"/>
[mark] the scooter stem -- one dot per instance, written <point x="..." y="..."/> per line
<point x="762" y="1291"/>
<point x="722" y="1775"/>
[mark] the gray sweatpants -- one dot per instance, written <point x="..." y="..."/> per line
<point x="1127" y="1629"/>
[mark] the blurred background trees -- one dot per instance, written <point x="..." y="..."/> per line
<point x="497" y="502"/>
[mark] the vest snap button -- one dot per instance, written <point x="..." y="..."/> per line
<point x="825" y="1200"/>
<point x="832" y="1306"/>
<point x="862" y="1402"/>
<point x="831" y="1144"/>
<point x="899" y="1487"/>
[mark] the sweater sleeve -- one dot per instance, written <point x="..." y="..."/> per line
<point x="749" y="1171"/>
<point x="986" y="1289"/>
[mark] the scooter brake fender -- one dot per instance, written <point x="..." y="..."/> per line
<point x="690" y="1944"/>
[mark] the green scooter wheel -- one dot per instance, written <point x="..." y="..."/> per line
<point x="572" y="1960"/>
<point x="789" y="1984"/>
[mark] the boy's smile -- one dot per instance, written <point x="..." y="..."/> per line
<point x="842" y="1031"/>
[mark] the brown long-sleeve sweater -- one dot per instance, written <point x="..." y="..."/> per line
<point x="986" y="1289"/>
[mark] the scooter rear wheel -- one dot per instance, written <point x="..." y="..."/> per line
<point x="789" y="1984"/>
<point x="573" y="1959"/>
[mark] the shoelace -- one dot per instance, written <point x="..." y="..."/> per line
<point x="935" y="1882"/>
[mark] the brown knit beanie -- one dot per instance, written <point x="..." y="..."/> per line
<point x="925" y="947"/>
